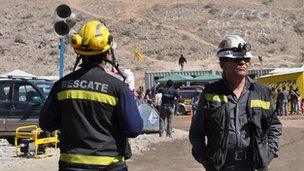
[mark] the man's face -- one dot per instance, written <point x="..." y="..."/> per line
<point x="235" y="67"/>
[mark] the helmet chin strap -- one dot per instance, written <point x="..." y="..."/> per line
<point x="114" y="63"/>
<point x="76" y="63"/>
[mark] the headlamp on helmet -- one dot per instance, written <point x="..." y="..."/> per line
<point x="233" y="46"/>
<point x="242" y="48"/>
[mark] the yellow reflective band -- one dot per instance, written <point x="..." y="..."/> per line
<point x="260" y="103"/>
<point x="216" y="98"/>
<point x="93" y="160"/>
<point x="87" y="95"/>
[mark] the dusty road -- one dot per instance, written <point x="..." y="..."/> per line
<point x="176" y="155"/>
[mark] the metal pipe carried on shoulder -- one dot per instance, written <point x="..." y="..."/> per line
<point x="65" y="19"/>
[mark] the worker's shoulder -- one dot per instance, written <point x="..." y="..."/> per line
<point x="95" y="76"/>
<point x="214" y="85"/>
<point x="262" y="88"/>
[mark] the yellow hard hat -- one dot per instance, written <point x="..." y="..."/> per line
<point x="94" y="38"/>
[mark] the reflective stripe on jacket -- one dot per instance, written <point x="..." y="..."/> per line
<point x="91" y="160"/>
<point x="212" y="121"/>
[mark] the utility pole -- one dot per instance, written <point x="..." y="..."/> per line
<point x="61" y="58"/>
<point x="64" y="21"/>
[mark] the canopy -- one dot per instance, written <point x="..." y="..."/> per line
<point x="51" y="78"/>
<point x="287" y="70"/>
<point x="175" y="78"/>
<point x="293" y="78"/>
<point x="18" y="73"/>
<point x="206" y="78"/>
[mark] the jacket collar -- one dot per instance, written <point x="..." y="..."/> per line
<point x="249" y="84"/>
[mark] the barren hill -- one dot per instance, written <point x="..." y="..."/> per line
<point x="162" y="29"/>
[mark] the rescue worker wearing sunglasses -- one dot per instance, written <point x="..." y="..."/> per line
<point x="236" y="115"/>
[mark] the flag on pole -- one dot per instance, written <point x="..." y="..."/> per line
<point x="138" y="55"/>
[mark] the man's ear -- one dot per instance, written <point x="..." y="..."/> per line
<point x="109" y="55"/>
<point x="249" y="64"/>
<point x="222" y="64"/>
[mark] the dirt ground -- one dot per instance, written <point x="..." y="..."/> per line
<point x="176" y="155"/>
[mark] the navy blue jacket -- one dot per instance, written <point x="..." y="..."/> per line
<point x="94" y="112"/>
<point x="168" y="96"/>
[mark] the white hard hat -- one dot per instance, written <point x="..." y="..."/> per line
<point x="233" y="46"/>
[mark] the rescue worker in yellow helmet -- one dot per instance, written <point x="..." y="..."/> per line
<point x="94" y="112"/>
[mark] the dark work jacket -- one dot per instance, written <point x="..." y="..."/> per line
<point x="94" y="112"/>
<point x="168" y="96"/>
<point x="182" y="60"/>
<point x="212" y="121"/>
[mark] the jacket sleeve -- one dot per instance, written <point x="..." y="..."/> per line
<point x="50" y="115"/>
<point x="176" y="94"/>
<point x="129" y="118"/>
<point x="275" y="132"/>
<point x="197" y="136"/>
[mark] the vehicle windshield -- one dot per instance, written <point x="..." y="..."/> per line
<point x="45" y="87"/>
<point x="189" y="91"/>
<point x="187" y="94"/>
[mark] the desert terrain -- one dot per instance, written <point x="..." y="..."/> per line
<point x="162" y="30"/>
<point x="171" y="154"/>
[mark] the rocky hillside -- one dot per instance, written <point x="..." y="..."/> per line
<point x="162" y="29"/>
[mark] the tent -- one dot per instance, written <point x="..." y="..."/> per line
<point x="175" y="77"/>
<point x="291" y="77"/>
<point x="286" y="70"/>
<point x="18" y="73"/>
<point x="150" y="117"/>
<point x="206" y="78"/>
<point x="52" y="78"/>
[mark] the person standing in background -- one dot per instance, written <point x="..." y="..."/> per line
<point x="169" y="96"/>
<point x="195" y="101"/>
<point x="181" y="62"/>
<point x="148" y="97"/>
<point x="283" y="98"/>
<point x="302" y="106"/>
<point x="294" y="100"/>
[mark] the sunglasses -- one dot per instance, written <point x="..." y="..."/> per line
<point x="236" y="60"/>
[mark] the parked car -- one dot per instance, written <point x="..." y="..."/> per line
<point x="20" y="103"/>
<point x="184" y="105"/>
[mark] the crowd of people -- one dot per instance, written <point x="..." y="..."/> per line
<point x="288" y="102"/>
<point x="164" y="100"/>
<point x="147" y="96"/>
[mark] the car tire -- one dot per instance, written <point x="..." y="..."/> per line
<point x="180" y="110"/>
